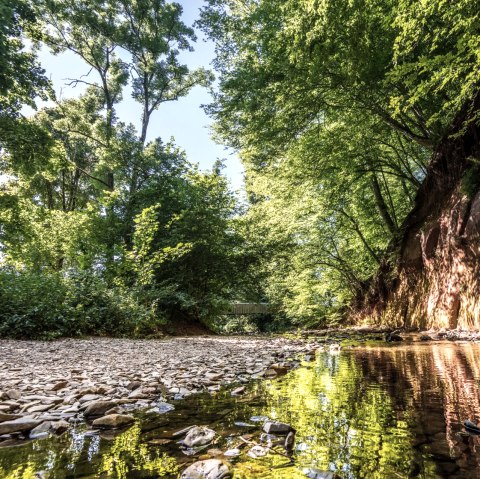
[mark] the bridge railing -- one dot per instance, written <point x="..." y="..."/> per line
<point x="236" y="309"/>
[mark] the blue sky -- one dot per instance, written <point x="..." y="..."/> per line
<point x="184" y="120"/>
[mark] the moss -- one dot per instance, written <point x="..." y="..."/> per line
<point x="470" y="183"/>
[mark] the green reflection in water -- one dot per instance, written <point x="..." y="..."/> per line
<point x="380" y="412"/>
<point x="343" y="424"/>
<point x="129" y="454"/>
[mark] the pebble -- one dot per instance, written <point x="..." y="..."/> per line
<point x="77" y="379"/>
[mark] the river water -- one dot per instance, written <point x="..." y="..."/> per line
<point x="365" y="412"/>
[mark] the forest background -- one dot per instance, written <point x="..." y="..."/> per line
<point x="335" y="109"/>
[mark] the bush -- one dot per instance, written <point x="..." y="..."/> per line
<point x="32" y="305"/>
<point x="47" y="306"/>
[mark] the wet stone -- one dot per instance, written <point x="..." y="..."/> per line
<point x="209" y="469"/>
<point x="98" y="408"/>
<point x="276" y="427"/>
<point x="40" y="430"/>
<point x="199" y="436"/>
<point x="114" y="421"/>
<point x="18" y="425"/>
<point x="8" y="417"/>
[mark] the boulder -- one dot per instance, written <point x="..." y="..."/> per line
<point x="209" y="469"/>
<point x="18" y="425"/>
<point x="113" y="421"/>
<point x="99" y="408"/>
<point x="199" y="436"/>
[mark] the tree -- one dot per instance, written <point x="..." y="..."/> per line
<point x="335" y="108"/>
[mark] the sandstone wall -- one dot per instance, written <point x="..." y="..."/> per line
<point x="430" y="276"/>
<point x="438" y="278"/>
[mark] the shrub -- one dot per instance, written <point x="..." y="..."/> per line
<point x="46" y="306"/>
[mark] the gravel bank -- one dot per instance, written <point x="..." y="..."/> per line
<point x="70" y="380"/>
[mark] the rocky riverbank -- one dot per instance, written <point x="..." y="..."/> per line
<point x="46" y="386"/>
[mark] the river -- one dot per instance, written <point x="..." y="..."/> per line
<point x="379" y="411"/>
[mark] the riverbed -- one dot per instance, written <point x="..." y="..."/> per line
<point x="370" y="411"/>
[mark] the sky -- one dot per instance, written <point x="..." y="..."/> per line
<point x="184" y="119"/>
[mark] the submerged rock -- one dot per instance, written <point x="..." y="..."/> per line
<point x="275" y="427"/>
<point x="238" y="391"/>
<point x="199" y="436"/>
<point x="259" y="418"/>
<point x="317" y="474"/>
<point x="257" y="451"/>
<point x="208" y="469"/>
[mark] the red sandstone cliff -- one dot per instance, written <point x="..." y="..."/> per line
<point x="432" y="275"/>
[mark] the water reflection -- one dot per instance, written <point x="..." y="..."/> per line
<point x="378" y="412"/>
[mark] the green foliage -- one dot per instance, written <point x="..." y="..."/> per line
<point x="21" y="77"/>
<point x="335" y="107"/>
<point x="111" y="233"/>
<point x="49" y="305"/>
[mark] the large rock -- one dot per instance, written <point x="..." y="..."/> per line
<point x="199" y="436"/>
<point x="209" y="469"/>
<point x="18" y="425"/>
<point x="98" y="408"/>
<point x="114" y="421"/>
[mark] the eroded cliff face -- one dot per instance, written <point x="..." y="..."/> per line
<point x="431" y="275"/>
<point x="438" y="279"/>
